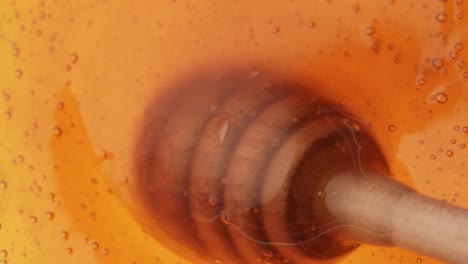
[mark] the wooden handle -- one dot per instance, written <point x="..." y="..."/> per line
<point x="381" y="211"/>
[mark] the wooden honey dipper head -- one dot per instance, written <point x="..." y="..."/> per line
<point x="240" y="167"/>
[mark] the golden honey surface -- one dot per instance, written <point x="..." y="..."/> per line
<point x="77" y="76"/>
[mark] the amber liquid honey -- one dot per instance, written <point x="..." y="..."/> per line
<point x="75" y="79"/>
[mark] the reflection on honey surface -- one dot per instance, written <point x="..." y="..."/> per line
<point x="76" y="78"/>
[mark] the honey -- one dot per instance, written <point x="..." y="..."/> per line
<point x="76" y="78"/>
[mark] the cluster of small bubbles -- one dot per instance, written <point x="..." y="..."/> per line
<point x="369" y="31"/>
<point x="49" y="215"/>
<point x="441" y="97"/>
<point x="391" y="128"/>
<point x="94" y="245"/>
<point x="33" y="219"/>
<point x="438" y="63"/>
<point x="441" y="17"/>
<point x="419" y="260"/>
<point x="57" y="131"/>
<point x="19" y="73"/>
<point x="3" y="185"/>
<point x="69" y="250"/>
<point x="449" y="153"/>
<point x="421" y="81"/>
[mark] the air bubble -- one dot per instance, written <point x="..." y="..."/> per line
<point x="321" y="195"/>
<point x="441" y="98"/>
<point x="64" y="235"/>
<point x="433" y="156"/>
<point x="453" y="55"/>
<point x="460" y="63"/>
<point x="33" y="219"/>
<point x="369" y="31"/>
<point x="438" y="63"/>
<point x="16" y="51"/>
<point x="421" y="81"/>
<point x="19" y="73"/>
<point x="213" y="200"/>
<point x="95" y="245"/>
<point x="74" y="58"/>
<point x="449" y="153"/>
<point x="441" y="17"/>
<point x="465" y="129"/>
<point x="69" y="251"/>
<point x="419" y="260"/>
<point x="8" y="115"/>
<point x="57" y="131"/>
<point x="391" y="128"/>
<point x="276" y="30"/>
<point x="453" y="141"/>
<point x="355" y="8"/>
<point x="458" y="46"/>
<point x="49" y="215"/>
<point x="3" y="253"/>
<point x="267" y="253"/>
<point x="224" y="215"/>
<point x="311" y="24"/>
<point x="3" y="185"/>
<point x="60" y="105"/>
<point x="465" y="75"/>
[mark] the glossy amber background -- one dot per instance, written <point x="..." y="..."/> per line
<point x="76" y="76"/>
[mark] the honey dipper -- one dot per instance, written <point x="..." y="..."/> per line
<point x="235" y="166"/>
